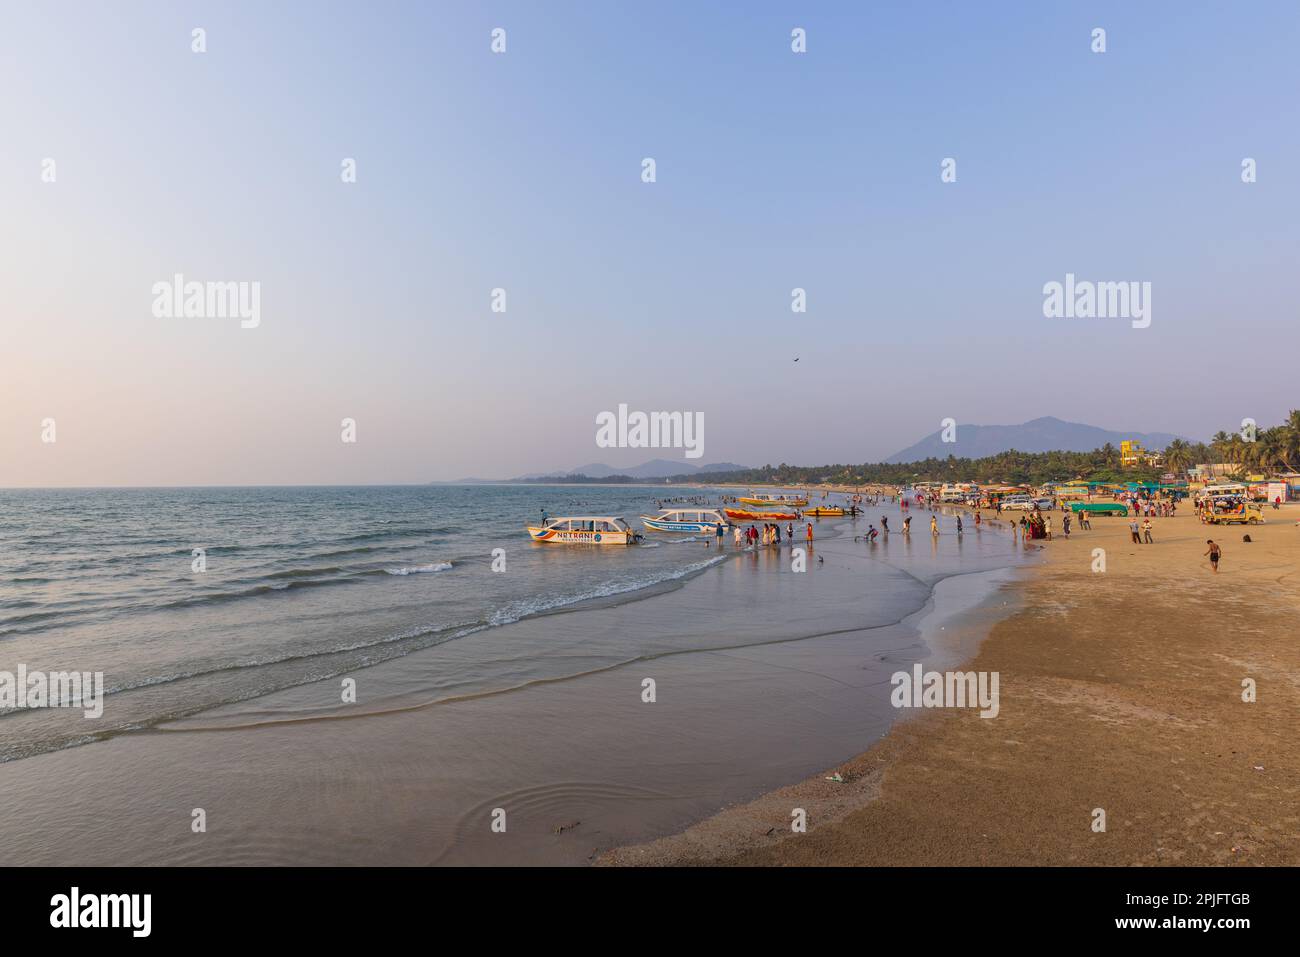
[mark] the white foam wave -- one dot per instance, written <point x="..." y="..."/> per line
<point x="418" y="569"/>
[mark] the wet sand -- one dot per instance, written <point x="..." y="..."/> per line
<point x="764" y="677"/>
<point x="1120" y="690"/>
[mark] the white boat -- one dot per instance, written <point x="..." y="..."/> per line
<point x="685" y="520"/>
<point x="584" y="530"/>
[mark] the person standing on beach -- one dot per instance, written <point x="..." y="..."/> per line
<point x="1146" y="532"/>
<point x="1047" y="525"/>
<point x="810" y="535"/>
<point x="738" y="535"/>
<point x="958" y="524"/>
<point x="1085" y="524"/>
<point x="884" y="522"/>
<point x="1065" y="524"/>
<point x="1133" y="530"/>
<point x="789" y="532"/>
<point x="1214" y="552"/>
<point x="718" y="533"/>
<point x="934" y="525"/>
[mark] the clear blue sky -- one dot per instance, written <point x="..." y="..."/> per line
<point x="522" y="171"/>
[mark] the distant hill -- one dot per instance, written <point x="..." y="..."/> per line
<point x="654" y="469"/>
<point x="1047" y="434"/>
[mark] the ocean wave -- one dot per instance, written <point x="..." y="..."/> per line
<point x="417" y="569"/>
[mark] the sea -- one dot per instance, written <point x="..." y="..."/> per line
<point x="393" y="663"/>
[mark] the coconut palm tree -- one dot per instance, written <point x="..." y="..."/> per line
<point x="1178" y="456"/>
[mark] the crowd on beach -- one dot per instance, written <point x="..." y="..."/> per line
<point x="768" y="535"/>
<point x="1032" y="526"/>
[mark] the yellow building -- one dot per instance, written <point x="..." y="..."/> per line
<point x="1131" y="454"/>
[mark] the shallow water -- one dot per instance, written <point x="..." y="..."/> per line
<point x="762" y="676"/>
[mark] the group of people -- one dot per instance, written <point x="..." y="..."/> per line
<point x="770" y="534"/>
<point x="1037" y="525"/>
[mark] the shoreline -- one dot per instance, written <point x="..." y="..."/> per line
<point x="1121" y="692"/>
<point x="798" y="680"/>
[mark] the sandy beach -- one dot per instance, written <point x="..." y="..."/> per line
<point x="1121" y="690"/>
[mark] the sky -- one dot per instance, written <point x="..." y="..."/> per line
<point x="522" y="171"/>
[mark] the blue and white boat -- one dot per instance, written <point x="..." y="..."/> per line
<point x="685" y="520"/>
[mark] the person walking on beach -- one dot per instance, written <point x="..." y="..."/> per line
<point x="776" y="530"/>
<point x="958" y="524"/>
<point x="1047" y="525"/>
<point x="810" y="535"/>
<point x="1214" y="552"/>
<point x="738" y="536"/>
<point x="1146" y="532"/>
<point x="1065" y="524"/>
<point x="1133" y="530"/>
<point x="718" y="533"/>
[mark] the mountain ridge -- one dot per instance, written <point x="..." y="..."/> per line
<point x="1044" y="434"/>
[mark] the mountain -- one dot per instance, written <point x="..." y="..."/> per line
<point x="1047" y="434"/>
<point x="654" y="469"/>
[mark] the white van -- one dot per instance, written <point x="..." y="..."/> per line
<point x="1022" y="503"/>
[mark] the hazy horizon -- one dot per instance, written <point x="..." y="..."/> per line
<point x="522" y="171"/>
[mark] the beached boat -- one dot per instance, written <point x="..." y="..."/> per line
<point x="826" y="511"/>
<point x="684" y="520"/>
<point x="584" y="530"/>
<point x="764" y="498"/>
<point x="744" y="515"/>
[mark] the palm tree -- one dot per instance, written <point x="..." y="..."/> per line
<point x="1178" y="456"/>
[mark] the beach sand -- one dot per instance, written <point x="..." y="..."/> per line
<point x="1120" y="690"/>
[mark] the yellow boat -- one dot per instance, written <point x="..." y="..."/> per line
<point x="792" y="501"/>
<point x="825" y="511"/>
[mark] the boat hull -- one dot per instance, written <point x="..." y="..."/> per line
<point x="741" y="515"/>
<point x="578" y="537"/>
<point x="659" y="525"/>
<point x="769" y="502"/>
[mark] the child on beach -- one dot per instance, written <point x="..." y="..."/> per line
<point x="934" y="526"/>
